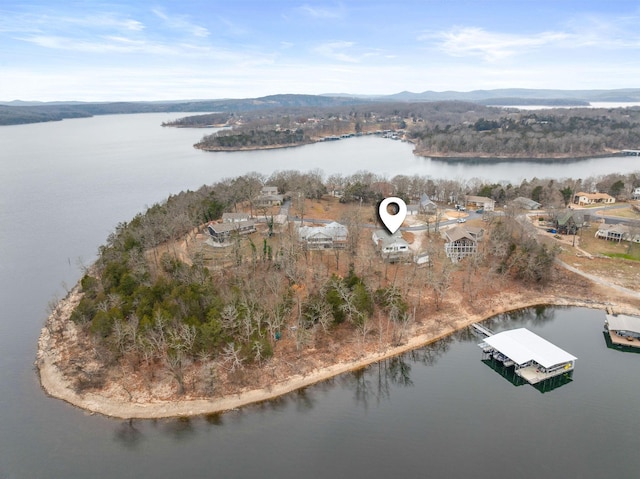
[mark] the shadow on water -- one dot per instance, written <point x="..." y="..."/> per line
<point x="128" y="434"/>
<point x="375" y="382"/>
<point x="510" y="375"/>
<point x="370" y="385"/>
<point x="179" y="428"/>
<point x="618" y="347"/>
<point x="532" y="161"/>
<point x="534" y="317"/>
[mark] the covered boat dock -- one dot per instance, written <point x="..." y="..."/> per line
<point x="623" y="330"/>
<point x="534" y="359"/>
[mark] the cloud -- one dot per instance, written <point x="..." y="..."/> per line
<point x="474" y="41"/>
<point x="106" y="44"/>
<point x="336" y="51"/>
<point x="181" y="23"/>
<point x="325" y="13"/>
<point x="42" y="22"/>
<point x="584" y="31"/>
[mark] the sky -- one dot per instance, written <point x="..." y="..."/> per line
<point x="53" y="50"/>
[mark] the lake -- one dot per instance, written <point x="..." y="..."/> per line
<point x="438" y="412"/>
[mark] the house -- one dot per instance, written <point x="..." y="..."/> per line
<point x="269" y="197"/>
<point x="636" y="193"/>
<point x="392" y="247"/>
<point x="568" y="222"/>
<point x="526" y="203"/>
<point x="617" y="233"/>
<point x="584" y="199"/>
<point x="413" y="210"/>
<point x="330" y="236"/>
<point x="424" y="207"/>
<point x="461" y="242"/>
<point x="235" y="217"/>
<point x="480" y="202"/>
<point x="427" y="207"/>
<point x="221" y="232"/>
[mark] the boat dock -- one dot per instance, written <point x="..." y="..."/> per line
<point x="534" y="359"/>
<point x="482" y="330"/>
<point x="623" y="330"/>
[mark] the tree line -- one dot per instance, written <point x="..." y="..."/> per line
<point x="146" y="304"/>
<point x="441" y="129"/>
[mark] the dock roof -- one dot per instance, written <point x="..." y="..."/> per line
<point x="622" y="322"/>
<point x="521" y="346"/>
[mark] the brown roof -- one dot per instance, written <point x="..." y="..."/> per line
<point x="594" y="196"/>
<point x="457" y="233"/>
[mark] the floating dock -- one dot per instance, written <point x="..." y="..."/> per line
<point x="534" y="359"/>
<point x="623" y="330"/>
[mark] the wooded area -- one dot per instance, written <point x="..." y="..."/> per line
<point x="439" y="129"/>
<point x="147" y="306"/>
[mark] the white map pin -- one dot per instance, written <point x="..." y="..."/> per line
<point x="392" y="222"/>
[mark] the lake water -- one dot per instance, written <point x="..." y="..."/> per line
<point x="439" y="412"/>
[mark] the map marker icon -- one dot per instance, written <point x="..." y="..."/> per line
<point x="392" y="221"/>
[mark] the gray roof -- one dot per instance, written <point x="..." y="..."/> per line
<point x="527" y="203"/>
<point x="617" y="228"/>
<point x="622" y="322"/>
<point x="224" y="227"/>
<point x="334" y="230"/>
<point x="425" y="200"/>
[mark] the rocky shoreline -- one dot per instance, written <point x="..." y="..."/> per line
<point x="59" y="333"/>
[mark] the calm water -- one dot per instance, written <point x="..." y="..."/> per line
<point x="440" y="412"/>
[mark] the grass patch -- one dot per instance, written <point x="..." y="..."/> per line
<point x="632" y="257"/>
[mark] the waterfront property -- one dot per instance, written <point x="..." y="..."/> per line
<point x="221" y="232"/>
<point x="534" y="359"/>
<point x="461" y="241"/>
<point x="623" y="330"/>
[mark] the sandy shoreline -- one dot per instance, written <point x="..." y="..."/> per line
<point x="56" y="385"/>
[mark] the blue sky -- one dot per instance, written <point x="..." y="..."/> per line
<point x="139" y="50"/>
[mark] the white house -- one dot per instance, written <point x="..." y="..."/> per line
<point x="333" y="235"/>
<point x="392" y="247"/>
<point x="483" y="202"/>
<point x="583" y="198"/>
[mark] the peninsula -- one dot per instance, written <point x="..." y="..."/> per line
<point x="446" y="129"/>
<point x="182" y="315"/>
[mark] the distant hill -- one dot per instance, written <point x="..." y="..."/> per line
<point x="621" y="95"/>
<point x="17" y="112"/>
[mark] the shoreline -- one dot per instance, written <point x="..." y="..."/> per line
<point x="56" y="385"/>
<point x="455" y="158"/>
